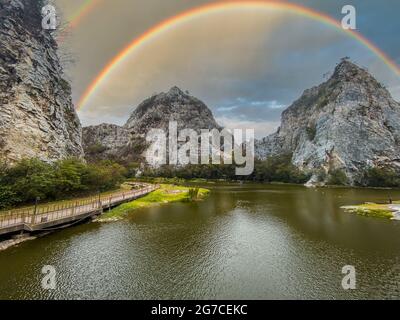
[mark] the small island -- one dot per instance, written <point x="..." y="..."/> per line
<point x="370" y="209"/>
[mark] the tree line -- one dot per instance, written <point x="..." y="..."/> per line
<point x="30" y="179"/>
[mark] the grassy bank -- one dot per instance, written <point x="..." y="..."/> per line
<point x="372" y="210"/>
<point x="163" y="180"/>
<point x="166" y="194"/>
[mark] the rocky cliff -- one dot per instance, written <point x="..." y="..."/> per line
<point x="348" y="123"/>
<point x="107" y="142"/>
<point x="175" y="105"/>
<point x="127" y="143"/>
<point x="37" y="117"/>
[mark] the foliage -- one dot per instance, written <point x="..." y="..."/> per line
<point x="279" y="169"/>
<point x="321" y="175"/>
<point x="379" y="177"/>
<point x="193" y="193"/>
<point x="95" y="151"/>
<point x="311" y="132"/>
<point x="337" y="177"/>
<point x="7" y="197"/>
<point x="30" y="179"/>
<point x="274" y="169"/>
<point x="132" y="169"/>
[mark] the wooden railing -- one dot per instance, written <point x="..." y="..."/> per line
<point x="45" y="214"/>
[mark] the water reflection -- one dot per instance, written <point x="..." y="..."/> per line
<point x="244" y="241"/>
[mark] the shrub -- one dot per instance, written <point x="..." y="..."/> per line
<point x="31" y="179"/>
<point x="7" y="197"/>
<point x="379" y="177"/>
<point x="321" y="175"/>
<point x="193" y="194"/>
<point x="279" y="169"/>
<point x="337" y="177"/>
<point x="311" y="132"/>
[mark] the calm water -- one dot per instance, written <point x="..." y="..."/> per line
<point x="245" y="242"/>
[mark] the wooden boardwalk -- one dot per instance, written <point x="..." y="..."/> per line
<point x="46" y="218"/>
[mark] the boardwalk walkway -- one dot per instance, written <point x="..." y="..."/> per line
<point x="45" y="218"/>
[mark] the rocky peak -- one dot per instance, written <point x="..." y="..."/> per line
<point x="175" y="105"/>
<point x="37" y="117"/>
<point x="175" y="92"/>
<point x="349" y="71"/>
<point x="350" y="123"/>
<point x="127" y="143"/>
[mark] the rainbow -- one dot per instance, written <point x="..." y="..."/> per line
<point x="74" y="20"/>
<point x="86" y="7"/>
<point x="204" y="10"/>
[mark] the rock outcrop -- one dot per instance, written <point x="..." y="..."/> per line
<point x="37" y="117"/>
<point x="106" y="142"/>
<point x="127" y="143"/>
<point x="348" y="123"/>
<point x="175" y="105"/>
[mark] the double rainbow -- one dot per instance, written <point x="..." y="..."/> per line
<point x="216" y="7"/>
<point x="84" y="9"/>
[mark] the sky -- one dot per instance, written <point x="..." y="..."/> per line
<point x="247" y="65"/>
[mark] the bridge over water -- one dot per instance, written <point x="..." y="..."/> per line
<point x="47" y="218"/>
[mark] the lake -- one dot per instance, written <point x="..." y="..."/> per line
<point x="247" y="241"/>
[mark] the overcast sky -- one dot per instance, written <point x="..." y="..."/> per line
<point x="246" y="65"/>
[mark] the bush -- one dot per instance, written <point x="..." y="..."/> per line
<point x="337" y="177"/>
<point x="379" y="177"/>
<point x="193" y="194"/>
<point x="7" y="197"/>
<point x="104" y="175"/>
<point x="321" y="175"/>
<point x="311" y="132"/>
<point x="31" y="178"/>
<point x="279" y="169"/>
<point x="274" y="169"/>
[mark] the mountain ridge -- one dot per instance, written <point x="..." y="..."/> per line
<point x="350" y="123"/>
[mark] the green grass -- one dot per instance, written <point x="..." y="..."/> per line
<point x="166" y="194"/>
<point x="371" y="210"/>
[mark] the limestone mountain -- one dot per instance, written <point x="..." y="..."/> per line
<point x="127" y="143"/>
<point x="175" y="105"/>
<point x="348" y="123"/>
<point x="105" y="141"/>
<point x="37" y="117"/>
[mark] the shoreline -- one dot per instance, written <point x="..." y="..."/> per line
<point x="6" y="244"/>
<point x="244" y="182"/>
<point x="167" y="193"/>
